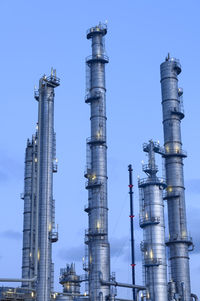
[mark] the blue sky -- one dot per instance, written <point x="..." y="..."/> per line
<point x="36" y="35"/>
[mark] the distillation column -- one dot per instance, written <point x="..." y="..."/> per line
<point x="29" y="197"/>
<point x="153" y="225"/>
<point x="96" y="172"/>
<point x="27" y="213"/>
<point x="45" y="183"/>
<point x="179" y="241"/>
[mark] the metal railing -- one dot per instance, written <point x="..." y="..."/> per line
<point x="54" y="236"/>
<point x="87" y="172"/>
<point x="157" y="148"/>
<point x="101" y="28"/>
<point x="92" y="183"/>
<point x="86" y="266"/>
<point x="96" y="139"/>
<point x="167" y="194"/>
<point x="180" y="91"/>
<point x="179" y="238"/>
<point x="95" y="96"/>
<point x="55" y="167"/>
<point x="97" y="57"/>
<point x="98" y="28"/>
<point x="53" y="79"/>
<point x="149" y="221"/>
<point x="143" y="246"/>
<point x="149" y="181"/>
<point x="36" y="94"/>
<point x="177" y="64"/>
<point x="152" y="262"/>
<point x="174" y="151"/>
<point x="179" y="110"/>
<point x="149" y="167"/>
<point x="95" y="232"/>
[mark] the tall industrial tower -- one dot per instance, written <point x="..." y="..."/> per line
<point x="96" y="171"/>
<point x="46" y="162"/>
<point x="29" y="264"/>
<point x="153" y="225"/>
<point x="39" y="209"/>
<point x="179" y="241"/>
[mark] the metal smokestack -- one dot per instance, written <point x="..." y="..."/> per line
<point x="153" y="225"/>
<point x="96" y="171"/>
<point x="179" y="241"/>
<point x="46" y="167"/>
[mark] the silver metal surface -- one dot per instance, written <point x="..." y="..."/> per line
<point x="45" y="184"/>
<point x="153" y="225"/>
<point x="96" y="171"/>
<point x="26" y="251"/>
<point x="70" y="280"/>
<point x="29" y="197"/>
<point x="178" y="236"/>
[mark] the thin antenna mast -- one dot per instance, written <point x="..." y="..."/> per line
<point x="132" y="229"/>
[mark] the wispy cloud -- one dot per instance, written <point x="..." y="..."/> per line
<point x="10" y="234"/>
<point x="72" y="254"/>
<point x="10" y="168"/>
<point x="193" y="186"/>
<point x="120" y="247"/>
<point x="194" y="224"/>
<point x="3" y="177"/>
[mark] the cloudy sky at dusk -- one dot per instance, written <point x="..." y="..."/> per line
<point x="36" y="35"/>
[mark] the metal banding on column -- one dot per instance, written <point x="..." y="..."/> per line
<point x="179" y="241"/>
<point x="96" y="171"/>
<point x="45" y="183"/>
<point x="153" y="225"/>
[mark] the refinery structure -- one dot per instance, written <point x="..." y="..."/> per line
<point x="166" y="278"/>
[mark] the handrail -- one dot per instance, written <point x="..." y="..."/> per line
<point x="101" y="57"/>
<point x="146" y="167"/>
<point x="96" y="139"/>
<point x="97" y="28"/>
<point x="157" y="180"/>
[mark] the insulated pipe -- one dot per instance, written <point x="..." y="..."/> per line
<point x="120" y="299"/>
<point x="179" y="241"/>
<point x="115" y="283"/>
<point x="17" y="280"/>
<point x="72" y="294"/>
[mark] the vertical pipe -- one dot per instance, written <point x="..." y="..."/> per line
<point x="97" y="234"/>
<point x="132" y="228"/>
<point x="45" y="184"/>
<point x="153" y="225"/>
<point x="179" y="241"/>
